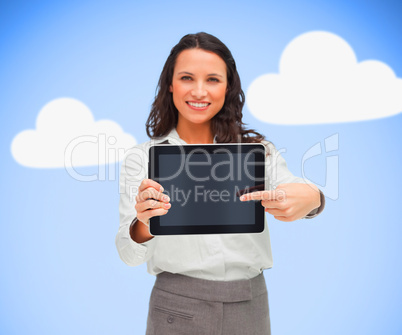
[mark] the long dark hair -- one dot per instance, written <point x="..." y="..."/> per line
<point x="227" y="125"/>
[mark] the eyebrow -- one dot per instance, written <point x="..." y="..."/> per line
<point x="209" y="75"/>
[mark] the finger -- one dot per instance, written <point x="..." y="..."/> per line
<point x="287" y="212"/>
<point x="259" y="187"/>
<point x="275" y="212"/>
<point x="151" y="204"/>
<point x="151" y="193"/>
<point x="157" y="212"/>
<point x="150" y="183"/>
<point x="260" y="195"/>
<point x="274" y="204"/>
<point x="145" y="216"/>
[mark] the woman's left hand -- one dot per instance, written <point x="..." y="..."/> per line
<point x="288" y="202"/>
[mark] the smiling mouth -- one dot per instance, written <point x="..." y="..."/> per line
<point x="198" y="104"/>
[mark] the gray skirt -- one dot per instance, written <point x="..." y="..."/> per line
<point x="181" y="305"/>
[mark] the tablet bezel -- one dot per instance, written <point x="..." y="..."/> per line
<point x="259" y="169"/>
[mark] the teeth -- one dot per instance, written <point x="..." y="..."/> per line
<point x="198" y="105"/>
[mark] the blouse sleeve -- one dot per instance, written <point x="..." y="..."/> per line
<point x="133" y="171"/>
<point x="278" y="173"/>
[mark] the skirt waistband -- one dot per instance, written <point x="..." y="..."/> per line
<point x="210" y="290"/>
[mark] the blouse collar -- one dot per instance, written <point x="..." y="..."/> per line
<point x="174" y="138"/>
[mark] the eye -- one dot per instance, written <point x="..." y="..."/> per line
<point x="213" y="79"/>
<point x="185" y="78"/>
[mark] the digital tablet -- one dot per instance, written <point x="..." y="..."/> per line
<point x="204" y="183"/>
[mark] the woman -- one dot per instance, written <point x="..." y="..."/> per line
<point x="206" y="284"/>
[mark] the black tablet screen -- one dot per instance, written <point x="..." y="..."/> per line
<point x="204" y="184"/>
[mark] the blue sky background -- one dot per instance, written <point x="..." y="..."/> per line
<point x="60" y="271"/>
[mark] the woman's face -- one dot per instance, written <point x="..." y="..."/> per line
<point x="198" y="86"/>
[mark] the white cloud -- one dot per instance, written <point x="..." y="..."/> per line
<point x="67" y="135"/>
<point x="320" y="81"/>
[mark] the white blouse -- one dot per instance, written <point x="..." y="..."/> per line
<point x="223" y="257"/>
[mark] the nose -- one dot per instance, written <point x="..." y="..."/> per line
<point x="199" y="91"/>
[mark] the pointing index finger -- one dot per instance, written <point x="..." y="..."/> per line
<point x="260" y="195"/>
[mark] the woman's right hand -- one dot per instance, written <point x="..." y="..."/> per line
<point x="150" y="201"/>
